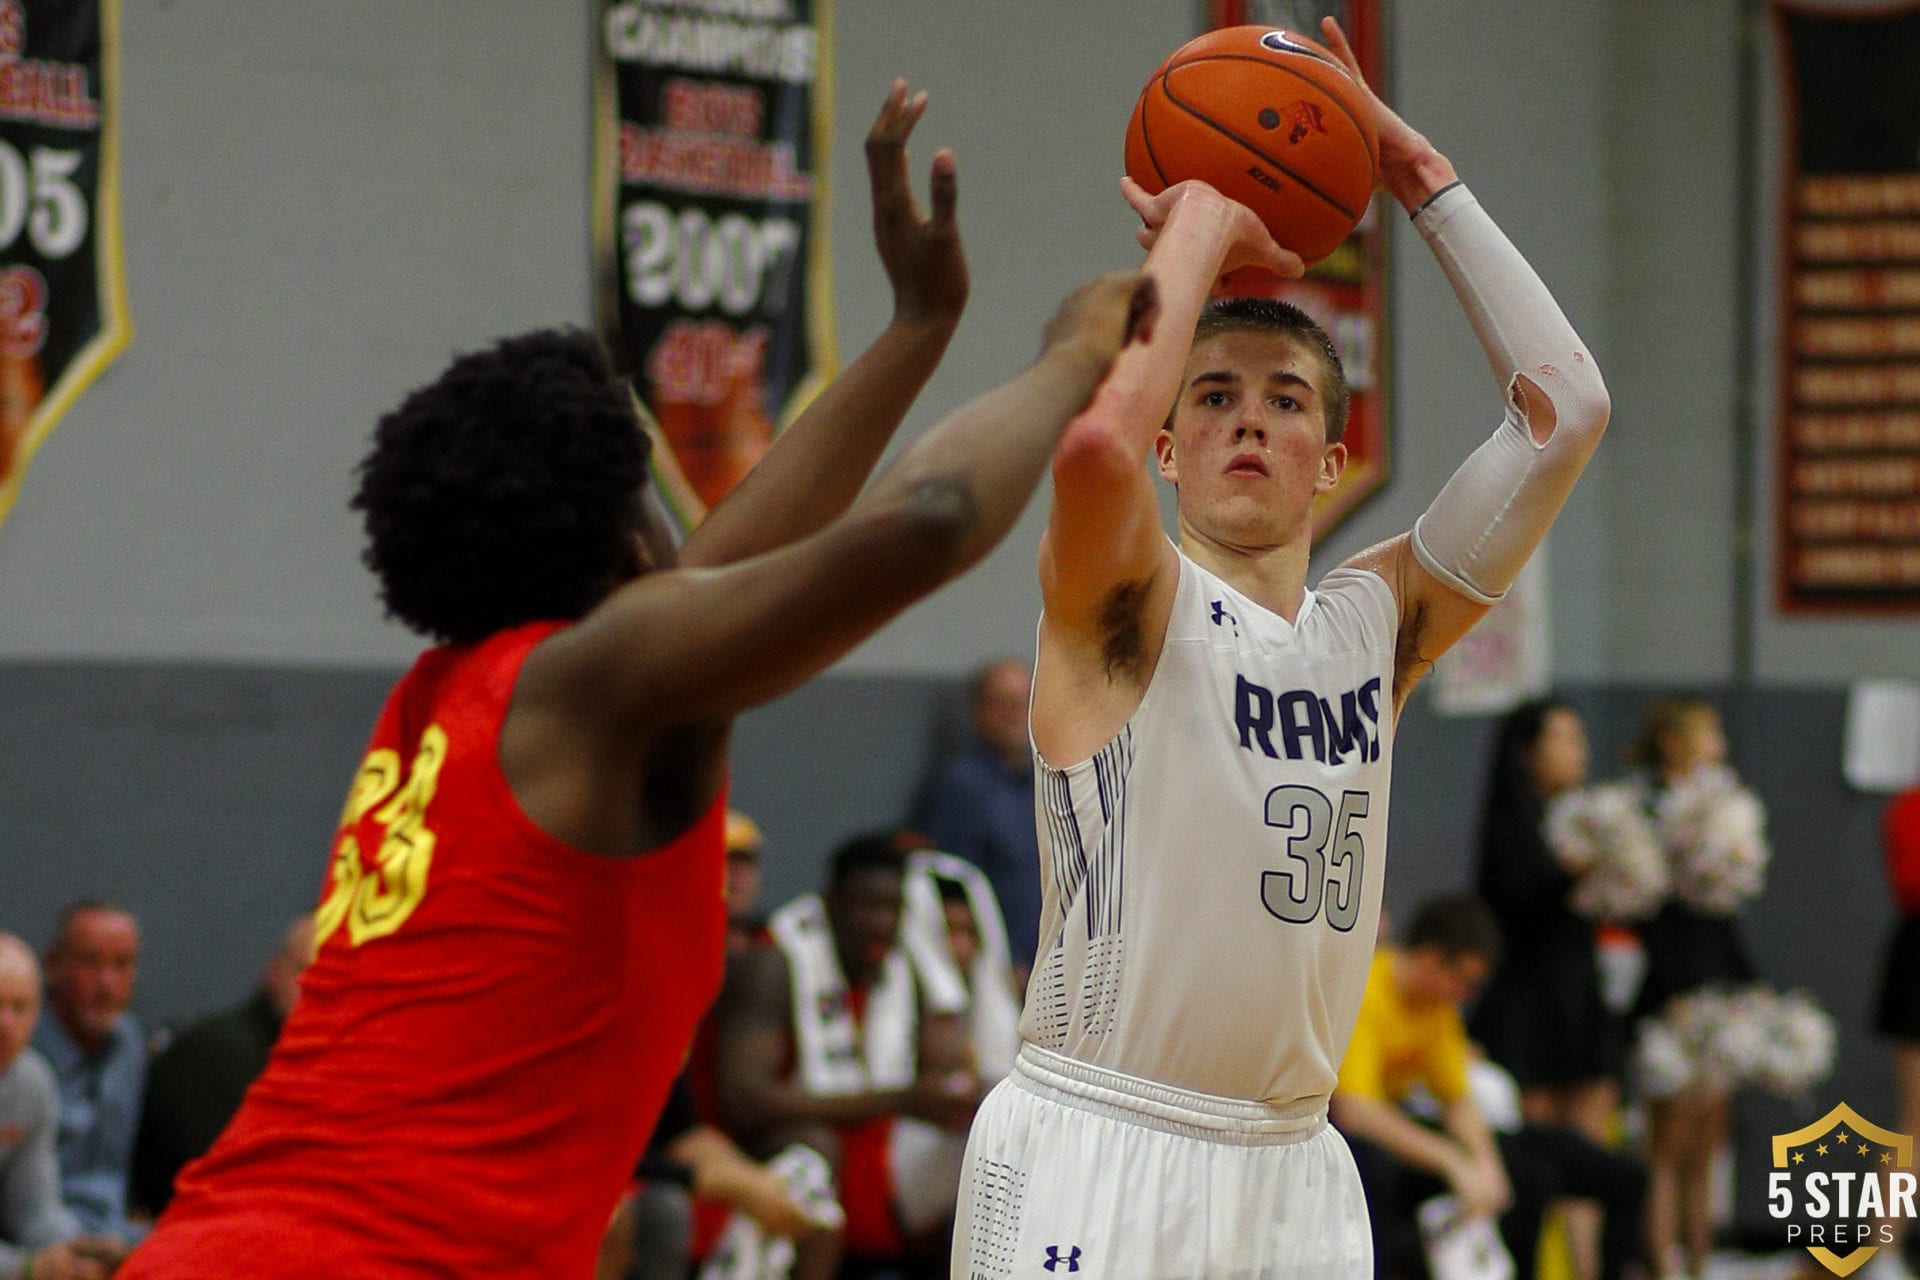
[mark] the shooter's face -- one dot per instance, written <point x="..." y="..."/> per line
<point x="1247" y="445"/>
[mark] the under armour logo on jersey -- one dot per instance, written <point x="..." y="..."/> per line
<point x="1222" y="617"/>
<point x="1056" y="1262"/>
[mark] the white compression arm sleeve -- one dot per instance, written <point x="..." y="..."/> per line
<point x="1496" y="508"/>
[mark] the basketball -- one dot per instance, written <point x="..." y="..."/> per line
<point x="1268" y="118"/>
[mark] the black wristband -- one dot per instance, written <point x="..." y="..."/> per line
<point x="1435" y="196"/>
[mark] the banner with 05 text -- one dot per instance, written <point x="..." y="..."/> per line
<point x="63" y="310"/>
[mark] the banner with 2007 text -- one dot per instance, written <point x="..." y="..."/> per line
<point x="63" y="312"/>
<point x="710" y="219"/>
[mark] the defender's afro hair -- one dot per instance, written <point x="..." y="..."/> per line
<point x="505" y="491"/>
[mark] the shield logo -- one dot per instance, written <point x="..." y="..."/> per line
<point x="1842" y="1141"/>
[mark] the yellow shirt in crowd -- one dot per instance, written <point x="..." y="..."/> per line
<point x="1394" y="1045"/>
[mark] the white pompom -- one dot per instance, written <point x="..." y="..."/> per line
<point x="1601" y="834"/>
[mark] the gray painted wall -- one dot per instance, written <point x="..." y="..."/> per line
<point x="322" y="203"/>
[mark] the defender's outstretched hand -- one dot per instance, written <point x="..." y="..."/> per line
<point x="922" y="255"/>
<point x="1410" y="169"/>
<point x="1105" y="314"/>
<point x="1252" y="245"/>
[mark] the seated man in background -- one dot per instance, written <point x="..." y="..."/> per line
<point x="979" y="805"/>
<point x="1410" y="1047"/>
<point x="195" y="1084"/>
<point x="653" y="1233"/>
<point x="38" y="1234"/>
<point x="98" y="1056"/>
<point x="832" y="1038"/>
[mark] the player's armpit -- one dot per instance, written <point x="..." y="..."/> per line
<point x="1433" y="615"/>
<point x="1107" y="580"/>
<point x="1104" y="532"/>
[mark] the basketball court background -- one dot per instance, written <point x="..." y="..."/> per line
<point x="321" y="205"/>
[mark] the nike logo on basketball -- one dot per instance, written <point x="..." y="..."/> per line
<point x="1056" y="1261"/>
<point x="1307" y="724"/>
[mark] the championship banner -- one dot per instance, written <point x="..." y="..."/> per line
<point x="710" y="219"/>
<point x="63" y="308"/>
<point x="1347" y="292"/>
<point x="1847" y="428"/>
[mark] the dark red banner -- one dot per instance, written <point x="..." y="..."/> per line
<point x="1847" y="429"/>
<point x="1347" y="292"/>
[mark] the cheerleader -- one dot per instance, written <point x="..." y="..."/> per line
<point x="1542" y="1016"/>
<point x="1707" y="1025"/>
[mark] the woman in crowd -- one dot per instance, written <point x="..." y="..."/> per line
<point x="1542" y="1016"/>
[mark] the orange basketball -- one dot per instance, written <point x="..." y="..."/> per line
<point x="1267" y="117"/>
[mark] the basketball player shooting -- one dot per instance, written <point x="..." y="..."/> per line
<point x="1214" y="744"/>
<point x="524" y="917"/>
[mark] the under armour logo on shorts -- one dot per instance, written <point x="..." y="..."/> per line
<point x="1054" y="1260"/>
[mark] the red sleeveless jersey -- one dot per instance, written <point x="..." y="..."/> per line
<point x="486" y="1036"/>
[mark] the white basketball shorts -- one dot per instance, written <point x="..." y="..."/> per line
<point x="1072" y="1170"/>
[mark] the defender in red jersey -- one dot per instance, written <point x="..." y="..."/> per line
<point x="522" y="918"/>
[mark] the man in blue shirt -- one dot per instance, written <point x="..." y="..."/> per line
<point x="979" y="805"/>
<point x="94" y="1047"/>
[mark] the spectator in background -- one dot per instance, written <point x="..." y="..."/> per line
<point x="95" y="1048"/>
<point x="829" y="1040"/>
<point x="744" y="846"/>
<point x="952" y="917"/>
<point x="979" y="805"/>
<point x="1542" y="1016"/>
<point x="1898" y="1016"/>
<point x="1410" y="1047"/>
<point x="652" y="1235"/>
<point x="38" y="1234"/>
<point x="195" y="1084"/>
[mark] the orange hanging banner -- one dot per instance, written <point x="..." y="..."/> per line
<point x="1346" y="293"/>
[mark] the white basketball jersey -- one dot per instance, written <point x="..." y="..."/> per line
<point x="1212" y="876"/>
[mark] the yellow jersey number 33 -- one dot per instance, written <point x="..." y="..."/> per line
<point x="374" y="901"/>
